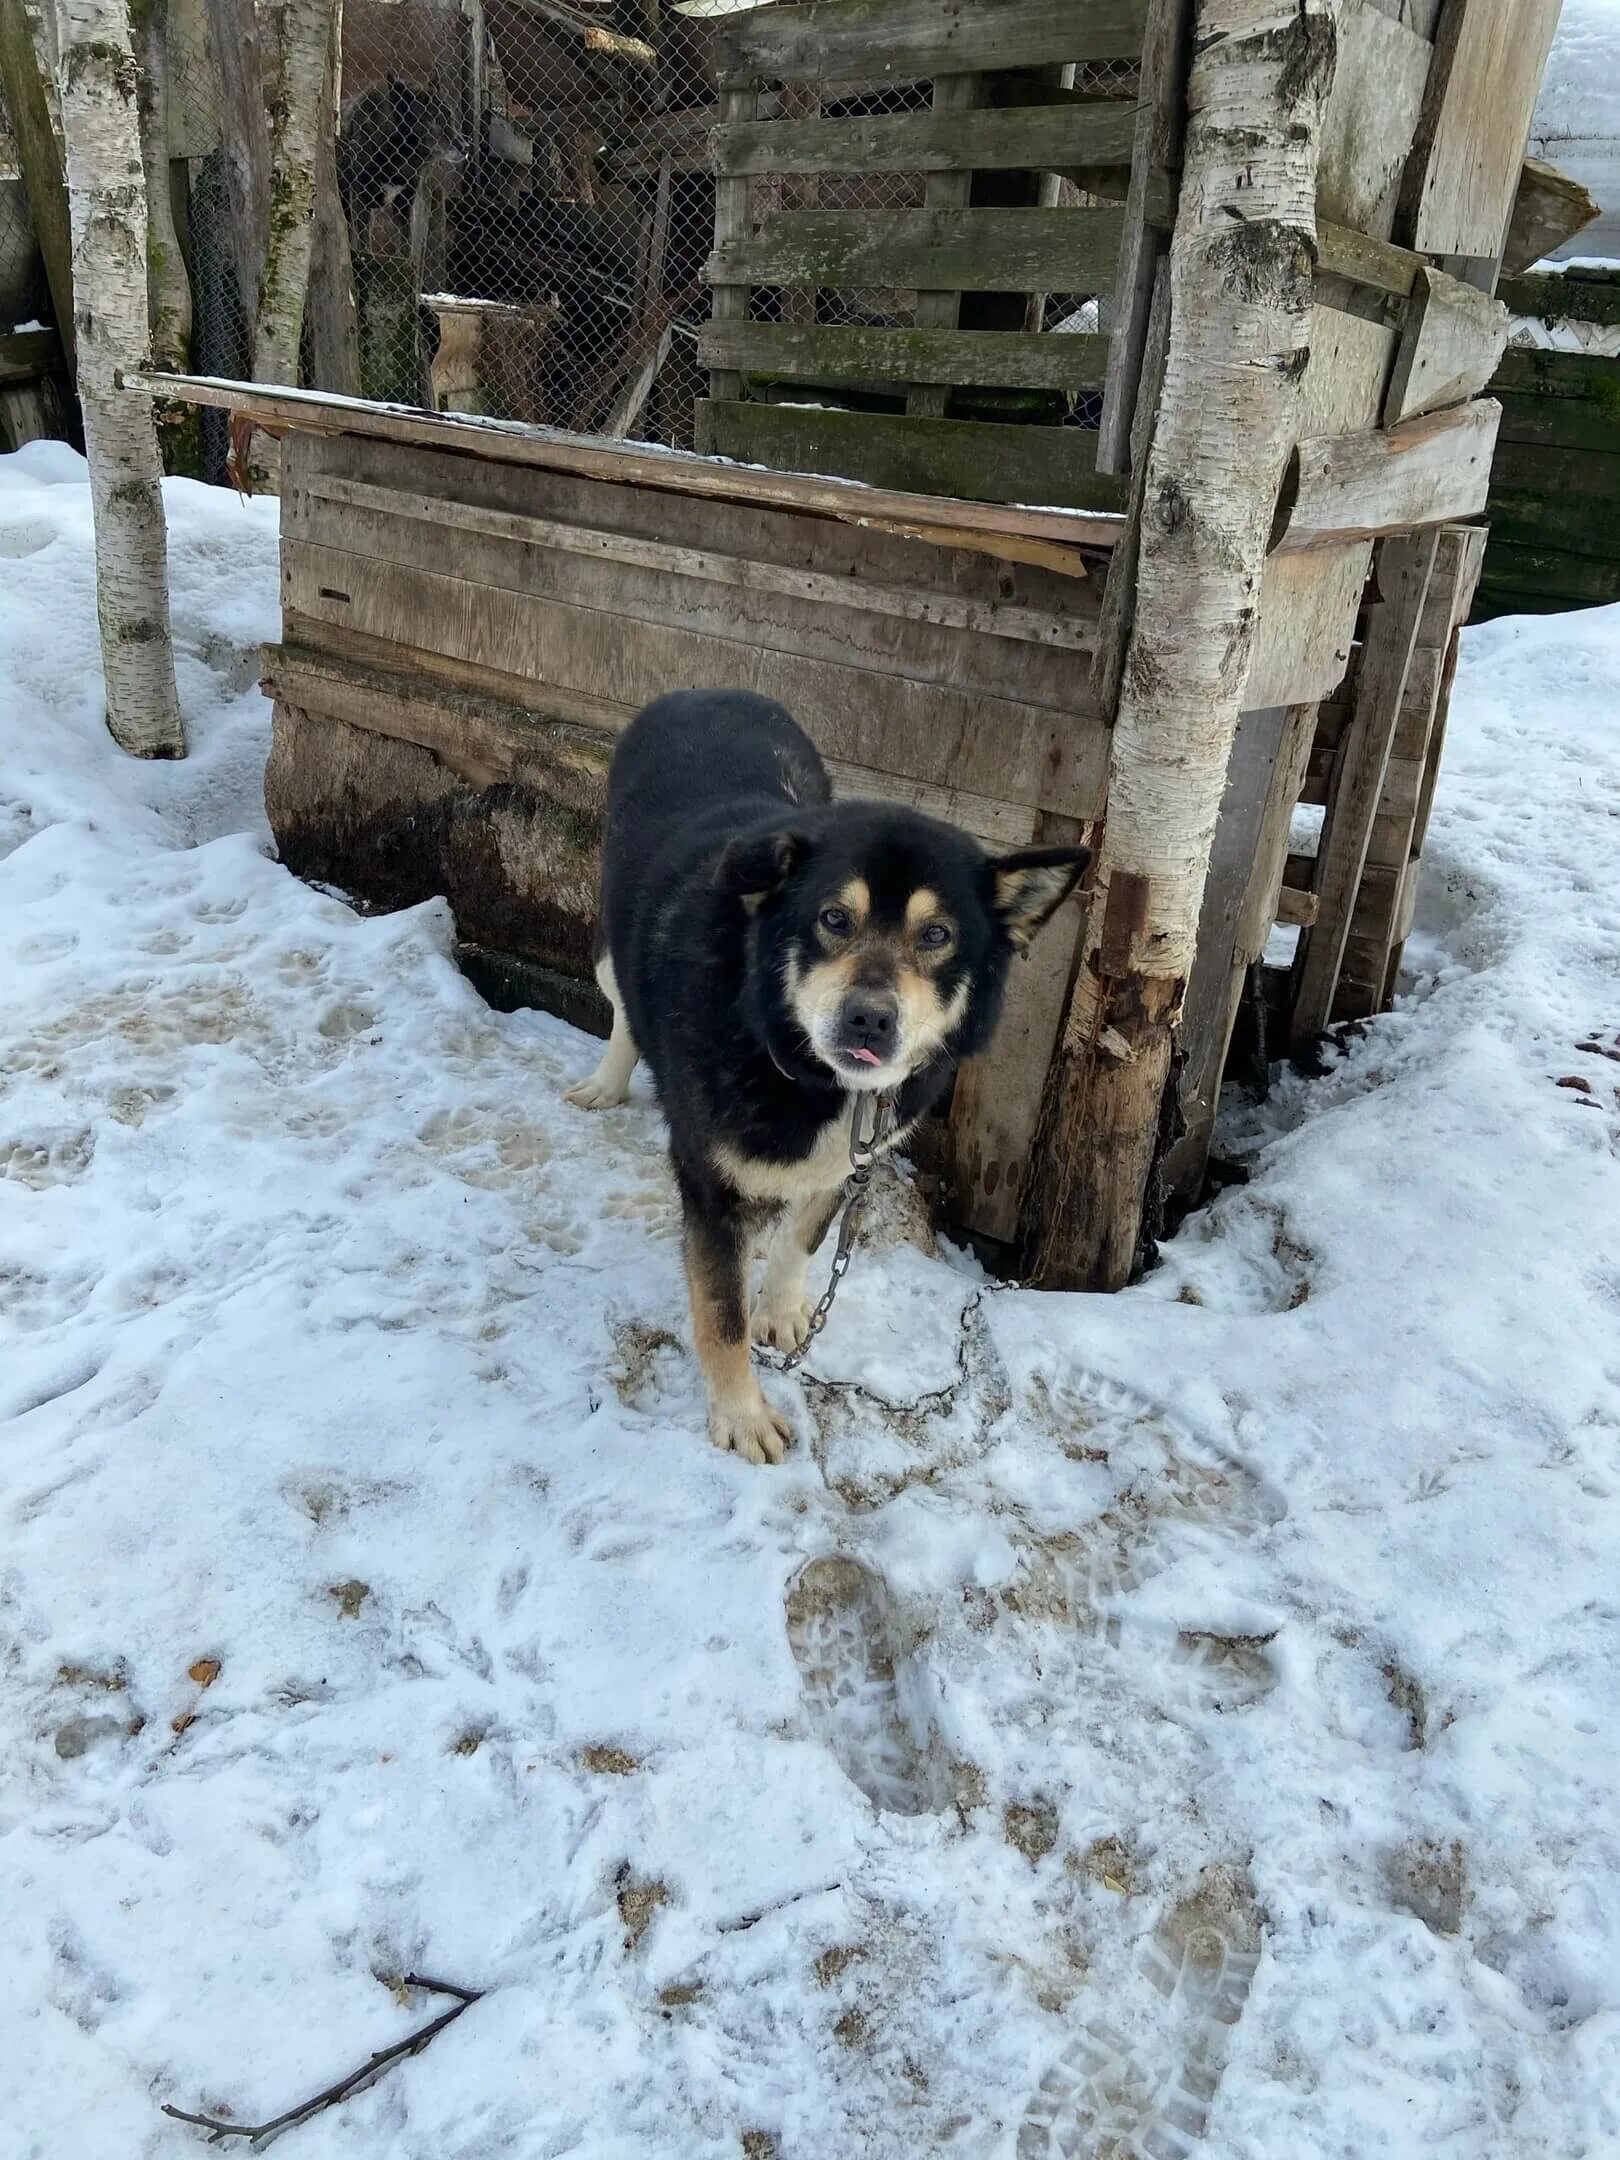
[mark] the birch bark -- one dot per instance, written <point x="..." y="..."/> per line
<point x="99" y="87"/>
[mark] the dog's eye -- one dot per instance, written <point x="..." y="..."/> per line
<point x="935" y="935"/>
<point x="835" y="921"/>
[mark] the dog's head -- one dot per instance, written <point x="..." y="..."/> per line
<point x="881" y="939"/>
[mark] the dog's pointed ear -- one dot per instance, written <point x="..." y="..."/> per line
<point x="752" y="870"/>
<point x="1028" y="887"/>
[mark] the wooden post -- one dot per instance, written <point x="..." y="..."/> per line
<point x="1241" y="267"/>
<point x="39" y="158"/>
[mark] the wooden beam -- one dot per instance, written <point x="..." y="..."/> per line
<point x="1552" y="298"/>
<point x="1404" y="566"/>
<point x="905" y="40"/>
<point x="1297" y="909"/>
<point x="39" y="159"/>
<point x="1429" y="471"/>
<point x="1378" y="263"/>
<point x="1034" y="138"/>
<point x="977" y="459"/>
<point x="839" y="352"/>
<point x="1451" y="341"/>
<point x="1031" y="250"/>
<point x="1548" y="209"/>
<point x="642" y="465"/>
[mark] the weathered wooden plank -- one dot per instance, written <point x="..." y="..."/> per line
<point x="1211" y="1001"/>
<point x="640" y="465"/>
<point x="1371" y="118"/>
<point x="971" y="458"/>
<point x="1340" y="252"/>
<point x="484" y="740"/>
<point x="910" y="250"/>
<point x="1075" y="632"/>
<point x="1429" y="471"/>
<point x="1555" y="298"/>
<point x="1149" y="213"/>
<point x="924" y="731"/>
<point x="1567" y="484"/>
<point x="1451" y="341"/>
<point x="1308" y="607"/>
<point x="1457" y="193"/>
<point x="1522" y="578"/>
<point x="840" y="352"/>
<point x="1548" y="209"/>
<point x="1033" y="138"/>
<point x="1404" y="566"/>
<point x="996" y="1106"/>
<point x="903" y="40"/>
<point x="1299" y="910"/>
<point x="1345" y="380"/>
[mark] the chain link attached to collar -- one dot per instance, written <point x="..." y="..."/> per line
<point x="863" y="1149"/>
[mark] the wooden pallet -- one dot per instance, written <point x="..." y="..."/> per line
<point x="915" y="404"/>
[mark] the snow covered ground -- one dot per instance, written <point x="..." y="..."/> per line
<point x="1237" y="1661"/>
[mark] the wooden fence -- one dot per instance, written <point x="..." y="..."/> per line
<point x="1555" y="486"/>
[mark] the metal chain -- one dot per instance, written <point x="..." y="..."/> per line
<point x="862" y="1155"/>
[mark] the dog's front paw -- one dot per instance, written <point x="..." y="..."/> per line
<point x="782" y="1326"/>
<point x="752" y="1430"/>
<point x="596" y="1094"/>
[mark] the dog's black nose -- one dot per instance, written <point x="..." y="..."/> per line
<point x="870" y="1020"/>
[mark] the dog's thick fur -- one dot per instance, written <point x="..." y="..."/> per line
<point x="771" y="954"/>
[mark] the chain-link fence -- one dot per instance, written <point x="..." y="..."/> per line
<point x="514" y="205"/>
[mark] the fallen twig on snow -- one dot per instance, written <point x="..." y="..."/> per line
<point x="260" y="2135"/>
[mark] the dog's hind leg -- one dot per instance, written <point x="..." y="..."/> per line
<point x="610" y="1083"/>
<point x="740" y="1419"/>
<point x="782" y="1315"/>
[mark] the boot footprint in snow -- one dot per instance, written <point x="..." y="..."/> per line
<point x="855" y="1684"/>
<point x="1106" y="2099"/>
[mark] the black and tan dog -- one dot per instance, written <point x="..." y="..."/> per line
<point x="772" y="954"/>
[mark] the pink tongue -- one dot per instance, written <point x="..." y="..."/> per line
<point x="867" y="1057"/>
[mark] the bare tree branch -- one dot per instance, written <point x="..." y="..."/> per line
<point x="259" y="2135"/>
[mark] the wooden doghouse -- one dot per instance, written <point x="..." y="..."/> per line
<point x="1249" y="482"/>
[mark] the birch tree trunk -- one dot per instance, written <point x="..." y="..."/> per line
<point x="308" y="38"/>
<point x="168" y="288"/>
<point x="1241" y="264"/>
<point x="107" y="208"/>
